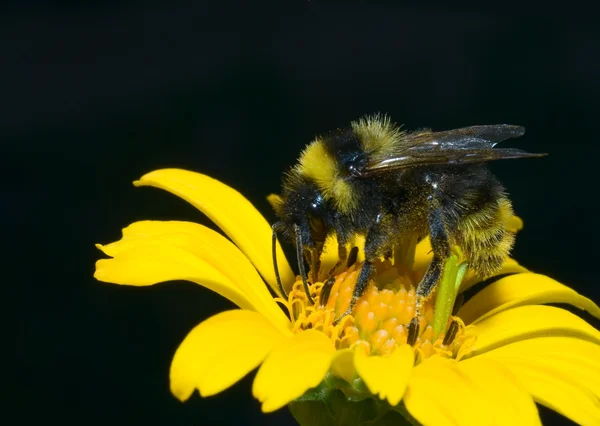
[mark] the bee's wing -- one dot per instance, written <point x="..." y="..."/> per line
<point x="460" y="146"/>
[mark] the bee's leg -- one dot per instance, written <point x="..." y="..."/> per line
<point x="375" y="240"/>
<point x="301" y="255"/>
<point x="351" y="260"/>
<point x="441" y="251"/>
<point x="315" y="265"/>
<point x="313" y="258"/>
<point x="359" y="288"/>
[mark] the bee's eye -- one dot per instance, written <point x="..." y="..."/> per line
<point x="315" y="208"/>
<point x="315" y="219"/>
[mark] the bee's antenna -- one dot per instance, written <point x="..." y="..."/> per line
<point x="301" y="269"/>
<point x="275" y="266"/>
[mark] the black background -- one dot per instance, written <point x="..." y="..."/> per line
<point x="95" y="95"/>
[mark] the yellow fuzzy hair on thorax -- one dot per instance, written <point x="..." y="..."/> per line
<point x="377" y="134"/>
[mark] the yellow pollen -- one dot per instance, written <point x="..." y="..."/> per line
<point x="378" y="324"/>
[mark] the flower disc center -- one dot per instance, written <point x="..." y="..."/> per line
<point x="378" y="323"/>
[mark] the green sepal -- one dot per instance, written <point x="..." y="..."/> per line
<point x="336" y="402"/>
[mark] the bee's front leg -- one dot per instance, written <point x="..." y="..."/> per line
<point x="441" y="251"/>
<point x="343" y="255"/>
<point x="377" y="239"/>
<point x="368" y="268"/>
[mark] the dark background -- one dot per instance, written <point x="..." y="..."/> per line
<point x="95" y="95"/>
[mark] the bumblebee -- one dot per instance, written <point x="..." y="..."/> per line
<point x="395" y="187"/>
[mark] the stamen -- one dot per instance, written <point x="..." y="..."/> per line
<point x="413" y="331"/>
<point x="451" y="333"/>
<point x="460" y="299"/>
<point x="352" y="257"/>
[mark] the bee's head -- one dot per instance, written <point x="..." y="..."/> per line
<point x="302" y="210"/>
<point x="306" y="219"/>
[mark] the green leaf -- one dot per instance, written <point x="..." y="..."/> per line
<point x="320" y="393"/>
<point x="311" y="413"/>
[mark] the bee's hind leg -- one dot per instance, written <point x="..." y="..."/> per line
<point x="441" y="251"/>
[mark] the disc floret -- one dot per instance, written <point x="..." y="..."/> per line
<point x="378" y="324"/>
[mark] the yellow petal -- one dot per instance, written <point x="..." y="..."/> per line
<point x="275" y="201"/>
<point x="518" y="290"/>
<point x="156" y="251"/>
<point x="508" y="402"/>
<point x="515" y="224"/>
<point x="152" y="265"/>
<point x="569" y="356"/>
<point x="527" y="322"/>
<point x="231" y="212"/>
<point x="295" y="366"/>
<point x="558" y="391"/>
<point x="439" y="395"/>
<point x="561" y="373"/>
<point x="510" y="266"/>
<point x="423" y="256"/>
<point x="343" y="366"/>
<point x="386" y="376"/>
<point x="220" y="351"/>
<point x="330" y="253"/>
<point x="481" y="392"/>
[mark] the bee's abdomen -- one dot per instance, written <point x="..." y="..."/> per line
<point x="484" y="235"/>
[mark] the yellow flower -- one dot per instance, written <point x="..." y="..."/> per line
<point x="509" y="350"/>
